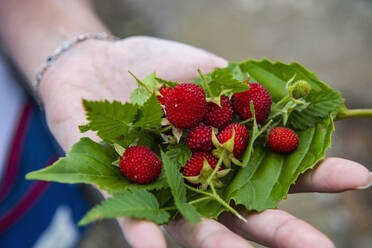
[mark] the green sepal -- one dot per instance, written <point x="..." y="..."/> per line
<point x="229" y="144"/>
<point x="215" y="141"/>
<point x="205" y="172"/>
<point x="193" y="179"/>
<point x="222" y="173"/>
<point x="116" y="163"/>
<point x="119" y="149"/>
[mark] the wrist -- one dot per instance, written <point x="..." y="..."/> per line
<point x="32" y="30"/>
<point x="62" y="73"/>
<point x="65" y="47"/>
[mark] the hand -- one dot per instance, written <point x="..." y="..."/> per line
<point x="98" y="70"/>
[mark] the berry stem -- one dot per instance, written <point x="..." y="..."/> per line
<point x="246" y="121"/>
<point x="223" y="203"/>
<point x="251" y="141"/>
<point x="141" y="83"/>
<point x="169" y="208"/>
<point x="205" y="84"/>
<point x="284" y="100"/>
<point x="190" y="202"/>
<point x="199" y="200"/>
<point x="216" y="197"/>
<point x="163" y="129"/>
<point x="198" y="191"/>
<point x="352" y="113"/>
<point x="210" y="178"/>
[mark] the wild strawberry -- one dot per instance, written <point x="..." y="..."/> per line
<point x="140" y="164"/>
<point x="199" y="167"/>
<point x="240" y="139"/>
<point x="163" y="93"/>
<point x="219" y="117"/>
<point x="261" y="102"/>
<point x="185" y="105"/>
<point x="195" y="163"/>
<point x="200" y="138"/>
<point x="283" y="140"/>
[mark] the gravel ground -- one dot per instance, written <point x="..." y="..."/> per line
<point x="332" y="38"/>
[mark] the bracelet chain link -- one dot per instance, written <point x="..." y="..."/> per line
<point x="65" y="46"/>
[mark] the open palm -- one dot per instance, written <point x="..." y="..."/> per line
<point x="97" y="70"/>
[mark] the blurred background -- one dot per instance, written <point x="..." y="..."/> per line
<point x="332" y="38"/>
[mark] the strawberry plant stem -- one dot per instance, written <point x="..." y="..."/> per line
<point x="210" y="178"/>
<point x="255" y="133"/>
<point x="216" y="197"/>
<point x="223" y="203"/>
<point x="205" y="84"/>
<point x="198" y="191"/>
<point x="190" y="202"/>
<point x="352" y="113"/>
<point x="284" y="100"/>
<point x="164" y="129"/>
<point x="246" y="121"/>
<point x="199" y="200"/>
<point x="141" y="83"/>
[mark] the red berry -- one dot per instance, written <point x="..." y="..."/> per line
<point x="195" y="163"/>
<point x="240" y="139"/>
<point x="185" y="105"/>
<point x="164" y="92"/>
<point x="140" y="164"/>
<point x="261" y="102"/>
<point x="219" y="117"/>
<point x="200" y="138"/>
<point x="283" y="140"/>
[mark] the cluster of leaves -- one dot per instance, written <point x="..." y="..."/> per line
<point x="261" y="183"/>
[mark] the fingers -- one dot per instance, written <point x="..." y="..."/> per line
<point x="206" y="234"/>
<point x="333" y="175"/>
<point x="170" y="60"/>
<point x="276" y="228"/>
<point x="140" y="233"/>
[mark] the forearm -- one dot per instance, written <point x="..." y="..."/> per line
<point x="32" y="29"/>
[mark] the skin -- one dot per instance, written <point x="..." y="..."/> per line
<point x="105" y="67"/>
<point x="98" y="70"/>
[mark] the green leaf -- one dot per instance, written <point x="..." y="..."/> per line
<point x="131" y="135"/>
<point x="166" y="82"/>
<point x="210" y="208"/>
<point x="139" y="96"/>
<point x="223" y="79"/>
<point x="137" y="203"/>
<point x="164" y="197"/>
<point x="146" y="139"/>
<point x="255" y="133"/>
<point x="322" y="103"/>
<point x="176" y="184"/>
<point x="179" y="154"/>
<point x="237" y="72"/>
<point x="266" y="179"/>
<point x="151" y="114"/>
<point x="274" y="77"/>
<point x="90" y="162"/>
<point x="145" y="89"/>
<point x="110" y="120"/>
<point x="150" y="81"/>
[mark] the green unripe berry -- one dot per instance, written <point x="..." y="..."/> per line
<point x="300" y="89"/>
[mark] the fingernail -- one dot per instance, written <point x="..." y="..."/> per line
<point x="369" y="184"/>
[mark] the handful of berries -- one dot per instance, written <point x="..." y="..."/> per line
<point x="239" y="135"/>
<point x="185" y="106"/>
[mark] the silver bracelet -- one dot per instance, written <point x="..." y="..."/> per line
<point x="65" y="46"/>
